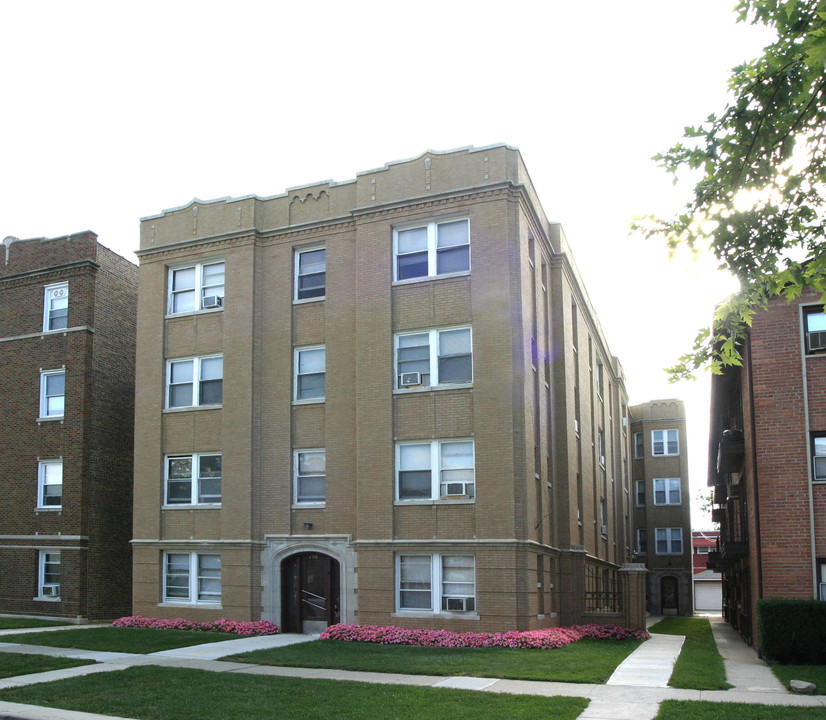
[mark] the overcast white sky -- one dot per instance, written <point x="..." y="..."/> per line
<point x="114" y="111"/>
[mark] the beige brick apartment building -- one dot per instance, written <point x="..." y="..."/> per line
<point x="386" y="400"/>
<point x="67" y="353"/>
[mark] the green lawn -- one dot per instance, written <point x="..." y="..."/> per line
<point x="700" y="666"/>
<point x="689" y="710"/>
<point x="586" y="661"/>
<point x="14" y="623"/>
<point x="131" y="640"/>
<point x="809" y="673"/>
<point x="162" y="693"/>
<point x="13" y="664"/>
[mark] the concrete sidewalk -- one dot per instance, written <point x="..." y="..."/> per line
<point x="634" y="691"/>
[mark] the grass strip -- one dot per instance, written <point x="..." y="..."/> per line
<point x="160" y="693"/>
<point x="700" y="665"/>
<point x="16" y="623"/>
<point x="14" y="664"/>
<point x="586" y="661"/>
<point x="815" y="674"/>
<point x="111" y="639"/>
<point x="691" y="710"/>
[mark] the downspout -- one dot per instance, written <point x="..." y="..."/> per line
<point x="809" y="469"/>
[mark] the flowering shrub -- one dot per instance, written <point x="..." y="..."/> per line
<point x="546" y="639"/>
<point x="260" y="627"/>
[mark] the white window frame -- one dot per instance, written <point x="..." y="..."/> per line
<point x="818" y="478"/>
<point x="200" y="290"/>
<point x="667" y="486"/>
<point x="297" y="375"/>
<point x="432" y="253"/>
<point x="44" y="558"/>
<point x="664" y="442"/>
<point x="436" y="470"/>
<point x="56" y="291"/>
<point x="297" y="274"/>
<point x="194" y="579"/>
<point x="433" y="340"/>
<point x="639" y="446"/>
<point x="45" y="479"/>
<point x="44" y="398"/>
<point x="642" y="540"/>
<point x="668" y="535"/>
<point x="195" y="383"/>
<point x="437" y="589"/>
<point x="297" y="478"/>
<point x="639" y="490"/>
<point x="195" y="479"/>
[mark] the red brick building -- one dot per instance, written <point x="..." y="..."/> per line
<point x="67" y="353"/>
<point x="767" y="462"/>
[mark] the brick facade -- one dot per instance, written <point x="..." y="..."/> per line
<point x="90" y="528"/>
<point x="517" y="297"/>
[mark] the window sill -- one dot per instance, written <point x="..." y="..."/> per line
<point x="429" y="388"/>
<point x="310" y="401"/>
<point x="205" y="311"/>
<point x="431" y="615"/>
<point x="49" y="509"/>
<point x="53" y="418"/>
<point x="182" y="604"/>
<point x="189" y="408"/>
<point x="430" y="278"/>
<point x="47" y="599"/>
<point x="192" y="506"/>
<point x="300" y="505"/>
<point x="304" y="301"/>
<point x="440" y="501"/>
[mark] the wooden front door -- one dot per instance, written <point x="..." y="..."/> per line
<point x="309" y="593"/>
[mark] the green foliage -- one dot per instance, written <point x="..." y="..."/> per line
<point x="12" y="623"/>
<point x="815" y="674"/>
<point x="792" y="631"/>
<point x="760" y="203"/>
<point x="705" y="710"/>
<point x="12" y="664"/>
<point x="700" y="666"/>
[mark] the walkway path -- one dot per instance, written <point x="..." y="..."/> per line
<point x="633" y="692"/>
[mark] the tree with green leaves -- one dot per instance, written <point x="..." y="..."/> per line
<point x="760" y="203"/>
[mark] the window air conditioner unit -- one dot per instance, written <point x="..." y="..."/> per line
<point x="457" y="489"/>
<point x="817" y="340"/>
<point x="50" y="590"/>
<point x="410" y="379"/>
<point x="456" y="604"/>
<point x="213" y="301"/>
<point x="603" y="529"/>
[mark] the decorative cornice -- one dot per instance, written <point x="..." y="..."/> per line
<point x="197" y="543"/>
<point x="79" y="328"/>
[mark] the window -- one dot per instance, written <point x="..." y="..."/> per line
<point x="815" y="323"/>
<point x="56" y="307"/>
<point x="431" y="250"/>
<point x="52" y="393"/>
<point x="642" y="542"/>
<point x="48" y="575"/>
<point x="640" y="489"/>
<point x="50" y="484"/>
<point x="195" y="381"/>
<point x="310" y="476"/>
<point x="600" y="377"/>
<point x="196" y="287"/>
<point x="436" y="583"/>
<point x="310" y="274"/>
<point x="441" y="469"/>
<point x="193" y="479"/>
<point x="310" y="373"/>
<point x="601" y="447"/>
<point x="667" y="491"/>
<point x="665" y="442"/>
<point x="434" y="358"/>
<point x="669" y="541"/>
<point x="822" y="585"/>
<point x="639" y="451"/>
<point x="192" y="578"/>
<point x="819" y="457"/>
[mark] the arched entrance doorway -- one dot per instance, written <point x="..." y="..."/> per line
<point x="669" y="595"/>
<point x="309" y="592"/>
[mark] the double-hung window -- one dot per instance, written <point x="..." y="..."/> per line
<point x="196" y="287"/>
<point x="310" y="468"/>
<point x="669" y="541"/>
<point x="439" y="469"/>
<point x="193" y="382"/>
<point x="434" y="358"/>
<point x="819" y="458"/>
<point x="52" y="393"/>
<point x="815" y="329"/>
<point x="310" y="274"/>
<point x="665" y="442"/>
<point x="310" y="373"/>
<point x="435" y="583"/>
<point x="437" y="248"/>
<point x="642" y="542"/>
<point x="640" y="492"/>
<point x="50" y="484"/>
<point x="193" y="479"/>
<point x="639" y="450"/>
<point x="56" y="307"/>
<point x="192" y="578"/>
<point x="667" y="491"/>
<point x="48" y="575"/>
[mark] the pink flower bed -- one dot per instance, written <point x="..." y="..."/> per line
<point x="259" y="627"/>
<point x="546" y="639"/>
